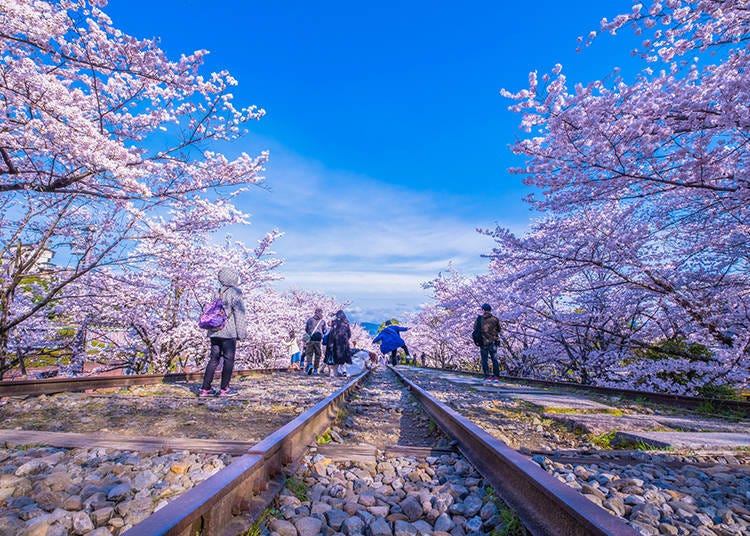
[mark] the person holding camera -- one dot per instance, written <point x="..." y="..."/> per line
<point x="314" y="329"/>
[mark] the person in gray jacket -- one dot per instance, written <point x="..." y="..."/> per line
<point x="315" y="328"/>
<point x="224" y="339"/>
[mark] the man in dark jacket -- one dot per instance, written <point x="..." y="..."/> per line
<point x="489" y="327"/>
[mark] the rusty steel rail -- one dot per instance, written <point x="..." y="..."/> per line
<point x="250" y="482"/>
<point x="545" y="505"/>
<point x="681" y="401"/>
<point x="84" y="383"/>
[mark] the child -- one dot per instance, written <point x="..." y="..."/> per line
<point x="293" y="349"/>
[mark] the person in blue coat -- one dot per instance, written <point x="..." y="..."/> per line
<point x="391" y="341"/>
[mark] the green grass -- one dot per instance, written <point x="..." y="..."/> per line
<point x="723" y="392"/>
<point x="324" y="438"/>
<point x="603" y="441"/>
<point x="511" y="524"/>
<point x="561" y="411"/>
<point x="564" y="411"/>
<point x="710" y="410"/>
<point x="706" y="408"/>
<point x="637" y="445"/>
<point x="640" y="445"/>
<point x="42" y="361"/>
<point x="529" y="407"/>
<point x="28" y="446"/>
<point x="298" y="488"/>
<point x="431" y="427"/>
<point x="249" y="376"/>
<point x="263" y="518"/>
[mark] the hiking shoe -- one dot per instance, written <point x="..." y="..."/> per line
<point x="206" y="392"/>
<point x="495" y="379"/>
<point x="309" y="371"/>
<point x="224" y="393"/>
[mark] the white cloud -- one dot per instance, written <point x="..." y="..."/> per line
<point x="364" y="241"/>
<point x="361" y="282"/>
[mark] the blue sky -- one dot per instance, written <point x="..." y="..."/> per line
<point x="388" y="136"/>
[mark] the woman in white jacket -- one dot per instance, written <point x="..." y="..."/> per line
<point x="293" y="349"/>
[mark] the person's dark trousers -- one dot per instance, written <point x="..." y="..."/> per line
<point x="489" y="352"/>
<point x="394" y="355"/>
<point x="220" y="349"/>
<point x="312" y="354"/>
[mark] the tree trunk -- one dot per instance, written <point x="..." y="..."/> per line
<point x="6" y="363"/>
<point x="78" y="353"/>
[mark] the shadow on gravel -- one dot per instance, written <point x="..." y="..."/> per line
<point x="417" y="429"/>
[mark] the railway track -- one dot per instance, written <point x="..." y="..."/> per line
<point x="573" y="419"/>
<point x="672" y="491"/>
<point x="387" y="463"/>
<point x="87" y="383"/>
<point x="544" y="505"/>
<point x="716" y="405"/>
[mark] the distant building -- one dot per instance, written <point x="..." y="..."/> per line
<point x="42" y="265"/>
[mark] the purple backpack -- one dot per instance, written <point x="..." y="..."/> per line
<point x="214" y="316"/>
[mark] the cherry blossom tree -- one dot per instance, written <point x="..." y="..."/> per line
<point x="104" y="142"/>
<point x="42" y="338"/>
<point x="442" y="330"/>
<point x="362" y="339"/>
<point x="644" y="198"/>
<point x="271" y="317"/>
<point x="594" y="282"/>
<point x="158" y="304"/>
<point x="428" y="337"/>
<point x="635" y="273"/>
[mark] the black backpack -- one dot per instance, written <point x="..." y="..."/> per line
<point x="476" y="335"/>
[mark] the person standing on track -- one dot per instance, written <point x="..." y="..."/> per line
<point x="314" y="329"/>
<point x="486" y="331"/>
<point x="293" y="350"/>
<point x="224" y="338"/>
<point x="391" y="341"/>
<point x="327" y="351"/>
<point x="338" y="338"/>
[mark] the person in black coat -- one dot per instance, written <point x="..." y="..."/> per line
<point x="487" y="328"/>
<point x="338" y="339"/>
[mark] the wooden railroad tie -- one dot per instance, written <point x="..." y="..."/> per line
<point x="115" y="441"/>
